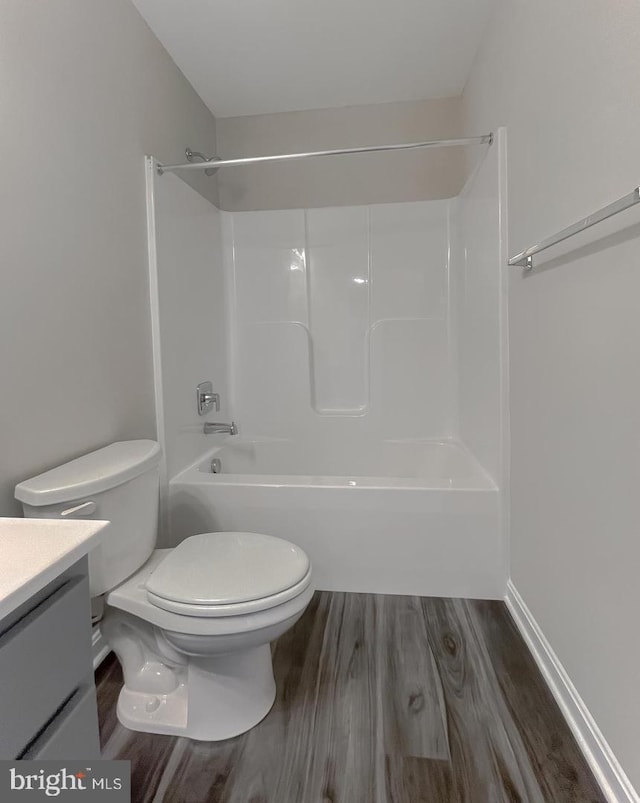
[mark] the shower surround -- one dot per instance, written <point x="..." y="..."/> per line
<point x="342" y="322"/>
<point x="348" y="335"/>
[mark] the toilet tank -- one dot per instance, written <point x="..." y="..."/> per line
<point x="120" y="484"/>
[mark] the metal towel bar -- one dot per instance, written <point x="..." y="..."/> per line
<point x="525" y="258"/>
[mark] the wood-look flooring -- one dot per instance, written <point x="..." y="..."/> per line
<point x="381" y="699"/>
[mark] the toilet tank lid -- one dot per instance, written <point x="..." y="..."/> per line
<point x="90" y="474"/>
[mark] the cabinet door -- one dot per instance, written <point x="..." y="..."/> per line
<point x="73" y="733"/>
<point x="44" y="658"/>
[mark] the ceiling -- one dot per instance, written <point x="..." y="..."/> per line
<point x="262" y="56"/>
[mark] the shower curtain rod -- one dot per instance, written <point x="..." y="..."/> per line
<point x="485" y="139"/>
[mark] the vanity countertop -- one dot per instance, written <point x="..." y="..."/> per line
<point x="33" y="552"/>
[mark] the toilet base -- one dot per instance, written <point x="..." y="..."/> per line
<point x="218" y="698"/>
<point x="209" y="697"/>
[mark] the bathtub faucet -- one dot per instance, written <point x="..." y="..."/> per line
<point x="213" y="428"/>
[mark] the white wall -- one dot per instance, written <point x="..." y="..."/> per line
<point x="85" y="91"/>
<point x="343" y="180"/>
<point x="564" y="78"/>
<point x="191" y="313"/>
<point x="341" y="322"/>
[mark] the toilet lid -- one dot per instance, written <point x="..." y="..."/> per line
<point x="227" y="569"/>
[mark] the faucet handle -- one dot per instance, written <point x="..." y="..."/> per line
<point x="211" y="398"/>
<point x="207" y="400"/>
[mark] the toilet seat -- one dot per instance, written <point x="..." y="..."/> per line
<point x="131" y="596"/>
<point x="228" y="574"/>
<point x="232" y="609"/>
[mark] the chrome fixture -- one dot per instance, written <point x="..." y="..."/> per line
<point x="485" y="139"/>
<point x="216" y="466"/>
<point x="213" y="428"/>
<point x="191" y="155"/>
<point x="206" y="399"/>
<point x="525" y="258"/>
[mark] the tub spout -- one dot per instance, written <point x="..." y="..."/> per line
<point x="214" y="428"/>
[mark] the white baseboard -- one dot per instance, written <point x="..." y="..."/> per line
<point x="100" y="648"/>
<point x="611" y="777"/>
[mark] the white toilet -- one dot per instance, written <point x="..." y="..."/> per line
<point x="191" y="626"/>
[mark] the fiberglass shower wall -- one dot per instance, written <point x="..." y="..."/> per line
<point x="479" y="311"/>
<point x="188" y="314"/>
<point x="342" y="323"/>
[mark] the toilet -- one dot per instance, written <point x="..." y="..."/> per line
<point x="191" y="625"/>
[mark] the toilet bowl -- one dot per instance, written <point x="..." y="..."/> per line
<point x="197" y="662"/>
<point x="191" y="625"/>
<point x="194" y="642"/>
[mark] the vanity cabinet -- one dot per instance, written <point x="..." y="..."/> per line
<point x="48" y="704"/>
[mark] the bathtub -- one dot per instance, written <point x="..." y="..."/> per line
<point x="393" y="517"/>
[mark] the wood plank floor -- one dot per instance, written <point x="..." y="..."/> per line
<point x="381" y="699"/>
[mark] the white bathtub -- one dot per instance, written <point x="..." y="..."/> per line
<point x="396" y="517"/>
